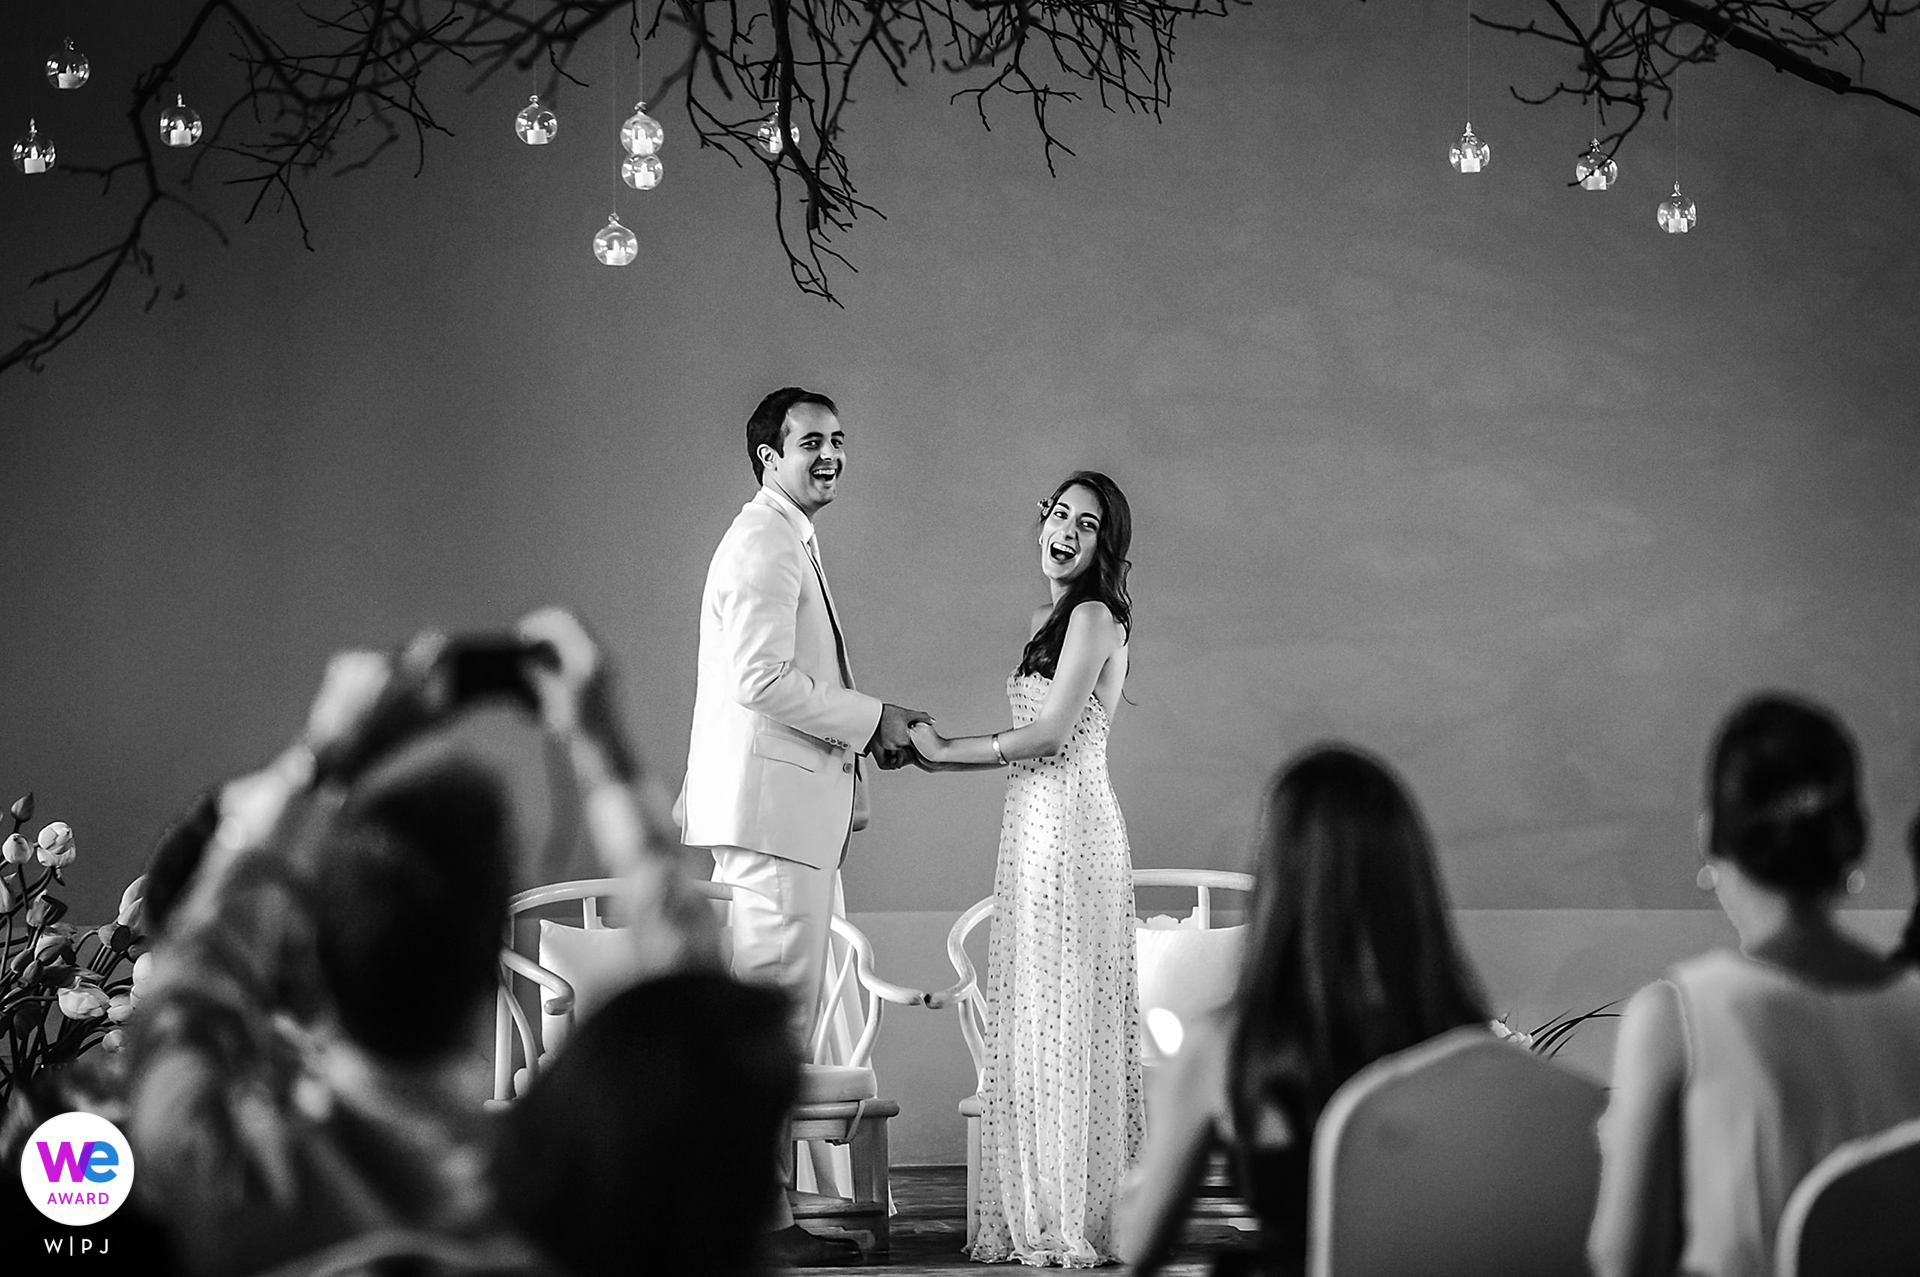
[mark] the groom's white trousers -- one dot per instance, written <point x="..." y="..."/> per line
<point x="780" y="933"/>
<point x="781" y="941"/>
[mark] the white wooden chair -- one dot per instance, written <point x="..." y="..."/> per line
<point x="1857" y="1212"/>
<point x="839" y="1115"/>
<point x="1459" y="1157"/>
<point x="1177" y="977"/>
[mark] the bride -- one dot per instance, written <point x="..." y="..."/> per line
<point x="1061" y="1109"/>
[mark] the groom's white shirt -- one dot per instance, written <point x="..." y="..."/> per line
<point x="773" y="764"/>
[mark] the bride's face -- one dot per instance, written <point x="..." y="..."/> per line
<point x="1069" y="532"/>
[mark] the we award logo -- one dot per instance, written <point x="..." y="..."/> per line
<point x="77" y="1168"/>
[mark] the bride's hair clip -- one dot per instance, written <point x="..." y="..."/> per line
<point x="1046" y="506"/>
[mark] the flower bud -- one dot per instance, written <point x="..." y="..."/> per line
<point x="16" y="849"/>
<point x="83" y="1002"/>
<point x="120" y="1007"/>
<point x="52" y="947"/>
<point x="142" y="976"/>
<point x="46" y="909"/>
<point x="22" y="809"/>
<point x="130" y="902"/>
<point x="56" y="845"/>
<point x="114" y="1042"/>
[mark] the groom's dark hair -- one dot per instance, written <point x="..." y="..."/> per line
<point x="769" y="420"/>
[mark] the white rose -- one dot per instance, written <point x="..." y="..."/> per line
<point x="56" y="845"/>
<point x="83" y="1002"/>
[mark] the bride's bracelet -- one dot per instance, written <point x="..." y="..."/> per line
<point x="994" y="740"/>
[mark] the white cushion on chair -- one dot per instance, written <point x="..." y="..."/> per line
<point x="835" y="1084"/>
<point x="1187" y="970"/>
<point x="597" y="961"/>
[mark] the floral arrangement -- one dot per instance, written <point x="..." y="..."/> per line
<point x="64" y="989"/>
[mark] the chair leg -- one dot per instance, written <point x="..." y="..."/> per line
<point x="869" y="1157"/>
<point x="973" y="1178"/>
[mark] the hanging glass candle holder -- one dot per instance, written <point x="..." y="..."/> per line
<point x="1677" y="214"/>
<point x="1596" y="170"/>
<point x="769" y="140"/>
<point x="535" y="125"/>
<point x="179" y="123"/>
<point x="641" y="134"/>
<point x="68" y="68"/>
<point x="641" y="172"/>
<point x="34" y="152"/>
<point x="615" y="245"/>
<point x="1469" y="154"/>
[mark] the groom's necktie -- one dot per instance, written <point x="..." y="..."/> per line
<point x="833" y="617"/>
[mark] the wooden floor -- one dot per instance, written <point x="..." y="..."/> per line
<point x="930" y="1228"/>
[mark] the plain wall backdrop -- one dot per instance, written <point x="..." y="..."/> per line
<point x="1487" y="474"/>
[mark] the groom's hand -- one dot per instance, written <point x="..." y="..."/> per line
<point x="891" y="745"/>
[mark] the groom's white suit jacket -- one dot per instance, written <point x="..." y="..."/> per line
<point x="774" y="761"/>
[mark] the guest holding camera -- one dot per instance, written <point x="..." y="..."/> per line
<point x="299" y="1065"/>
<point x="1739" y="1071"/>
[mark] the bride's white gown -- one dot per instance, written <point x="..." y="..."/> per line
<point x="1061" y="1108"/>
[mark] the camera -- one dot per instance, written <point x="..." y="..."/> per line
<point x="486" y="667"/>
<point x="467" y="672"/>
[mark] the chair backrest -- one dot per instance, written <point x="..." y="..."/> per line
<point x="966" y="996"/>
<point x="1857" y="1212"/>
<point x="580" y="966"/>
<point x="1458" y="1157"/>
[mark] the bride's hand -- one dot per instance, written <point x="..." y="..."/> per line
<point x="930" y="744"/>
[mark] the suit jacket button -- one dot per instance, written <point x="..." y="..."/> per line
<point x="846" y="767"/>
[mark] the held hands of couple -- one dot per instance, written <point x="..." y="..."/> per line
<point x="929" y="744"/>
<point x="892" y="743"/>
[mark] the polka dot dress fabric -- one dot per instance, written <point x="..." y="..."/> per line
<point x="1062" y="1113"/>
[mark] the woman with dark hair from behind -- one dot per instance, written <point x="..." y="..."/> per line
<point x="648" y="1147"/>
<point x="1738" y="1071"/>
<point x="1350" y="956"/>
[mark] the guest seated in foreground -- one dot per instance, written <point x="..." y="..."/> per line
<point x="1738" y="1072"/>
<point x="299" y="1072"/>
<point x="647" y="1148"/>
<point x="1351" y="956"/>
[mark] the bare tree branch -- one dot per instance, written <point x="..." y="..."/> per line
<point x="332" y="85"/>
<point x="1627" y="57"/>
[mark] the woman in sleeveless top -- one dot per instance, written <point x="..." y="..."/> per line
<point x="1738" y="1072"/>
<point x="1350" y="956"/>
<point x="1062" y="1113"/>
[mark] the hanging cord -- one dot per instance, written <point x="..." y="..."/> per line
<point x="1469" y="61"/>
<point x="1675" y="91"/>
<point x="1596" y="71"/>
<point x="613" y="87"/>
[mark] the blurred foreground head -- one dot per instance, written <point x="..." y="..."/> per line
<point x="648" y="1147"/>
<point x="411" y="878"/>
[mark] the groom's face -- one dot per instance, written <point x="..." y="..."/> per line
<point x="813" y="454"/>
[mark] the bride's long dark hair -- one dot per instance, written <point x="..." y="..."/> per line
<point x="1105" y="578"/>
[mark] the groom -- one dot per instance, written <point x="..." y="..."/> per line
<point x="775" y="782"/>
